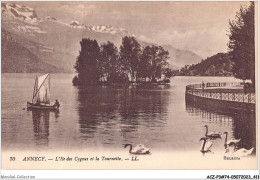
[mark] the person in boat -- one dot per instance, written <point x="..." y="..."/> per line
<point x="38" y="102"/>
<point x="57" y="103"/>
<point x="203" y="86"/>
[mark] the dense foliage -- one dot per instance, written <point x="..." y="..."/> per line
<point x="242" y="43"/>
<point x="87" y="64"/>
<point x="153" y="63"/>
<point x="130" y="51"/>
<point x="105" y="65"/>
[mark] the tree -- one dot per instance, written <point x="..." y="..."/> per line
<point x="168" y="73"/>
<point x="242" y="43"/>
<point x="130" y="51"/>
<point x="145" y="63"/>
<point x="109" y="61"/>
<point x="160" y="62"/>
<point x="87" y="63"/>
<point x="153" y="62"/>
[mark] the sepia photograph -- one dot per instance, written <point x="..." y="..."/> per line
<point x="129" y="85"/>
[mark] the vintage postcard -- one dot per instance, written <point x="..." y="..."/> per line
<point x="129" y="85"/>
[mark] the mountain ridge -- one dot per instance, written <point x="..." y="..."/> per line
<point x="219" y="64"/>
<point x="58" y="43"/>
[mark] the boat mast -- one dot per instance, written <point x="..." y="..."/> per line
<point x="50" y="87"/>
<point x="35" y="84"/>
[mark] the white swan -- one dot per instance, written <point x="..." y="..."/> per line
<point x="212" y="135"/>
<point x="138" y="149"/>
<point x="240" y="152"/>
<point x="206" y="145"/>
<point x="233" y="140"/>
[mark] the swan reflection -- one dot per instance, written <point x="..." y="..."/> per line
<point x="240" y="123"/>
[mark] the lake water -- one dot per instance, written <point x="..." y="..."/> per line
<point x="108" y="117"/>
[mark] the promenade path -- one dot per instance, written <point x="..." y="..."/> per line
<point x="224" y="89"/>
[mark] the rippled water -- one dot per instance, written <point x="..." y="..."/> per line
<point x="108" y="117"/>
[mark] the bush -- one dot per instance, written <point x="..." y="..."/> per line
<point x="119" y="78"/>
<point x="153" y="80"/>
<point x="249" y="88"/>
<point x="75" y="81"/>
<point x="166" y="81"/>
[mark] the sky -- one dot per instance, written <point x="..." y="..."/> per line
<point x="201" y="27"/>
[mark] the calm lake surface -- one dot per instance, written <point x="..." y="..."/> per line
<point x="108" y="117"/>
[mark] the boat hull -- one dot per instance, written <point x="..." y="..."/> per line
<point x="40" y="106"/>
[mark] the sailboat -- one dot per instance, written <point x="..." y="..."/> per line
<point x="41" y="94"/>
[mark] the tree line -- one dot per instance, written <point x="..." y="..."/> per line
<point x="131" y="63"/>
<point x="216" y="65"/>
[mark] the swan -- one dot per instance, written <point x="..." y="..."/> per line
<point x="206" y="145"/>
<point x="138" y="149"/>
<point x="212" y="135"/>
<point x="240" y="152"/>
<point x="233" y="140"/>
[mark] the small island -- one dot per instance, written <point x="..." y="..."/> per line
<point x="132" y="64"/>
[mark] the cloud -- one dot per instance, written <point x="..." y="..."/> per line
<point x="204" y="42"/>
<point x="78" y="10"/>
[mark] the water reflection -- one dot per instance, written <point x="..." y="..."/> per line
<point x="241" y="122"/>
<point x="41" y="120"/>
<point x="210" y="116"/>
<point x="143" y="108"/>
<point x="114" y="115"/>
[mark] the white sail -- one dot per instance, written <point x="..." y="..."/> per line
<point x="42" y="89"/>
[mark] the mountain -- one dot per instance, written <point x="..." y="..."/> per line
<point x="18" y="12"/>
<point x="180" y="58"/>
<point x="17" y="58"/>
<point x="56" y="43"/>
<point x="216" y="65"/>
